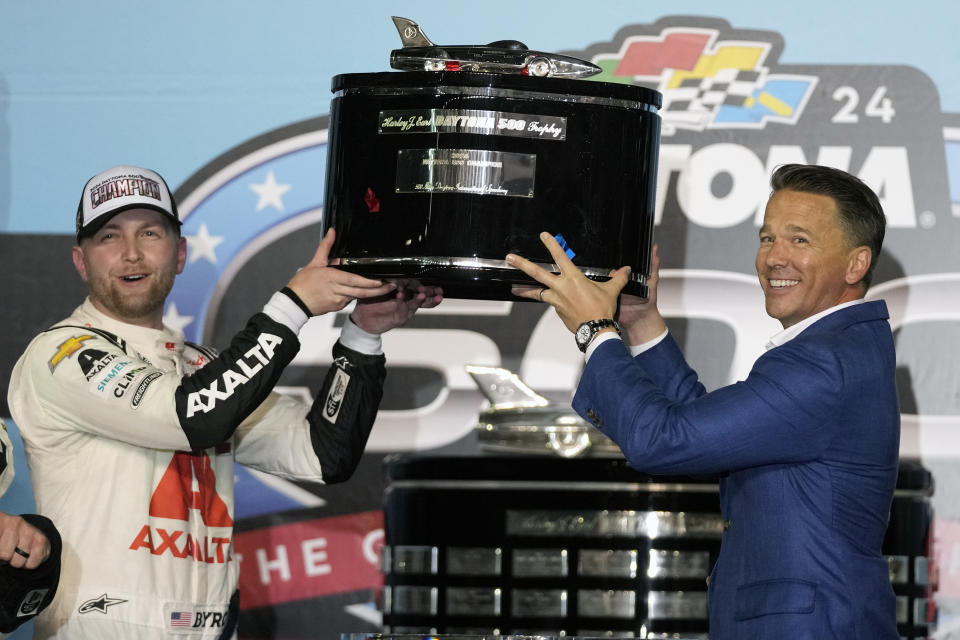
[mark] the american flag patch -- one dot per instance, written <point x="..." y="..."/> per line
<point x="181" y="619"/>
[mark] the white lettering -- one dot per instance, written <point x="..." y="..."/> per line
<point x="695" y="186"/>
<point x="266" y="347"/>
<point x="885" y="169"/>
<point x="315" y="557"/>
<point x="280" y="565"/>
<point x="214" y="394"/>
<point x="195" y="404"/>
<point x="269" y="343"/>
<point x="247" y="369"/>
<point x="232" y="380"/>
<point x="372" y="545"/>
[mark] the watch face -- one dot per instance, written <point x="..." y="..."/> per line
<point x="583" y="333"/>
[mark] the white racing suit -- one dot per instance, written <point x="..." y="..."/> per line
<point x="131" y="436"/>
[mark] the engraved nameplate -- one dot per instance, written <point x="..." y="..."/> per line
<point x="678" y="564"/>
<point x="413" y="599"/>
<point x="610" y="563"/>
<point x="473" y="121"/>
<point x="616" y="524"/>
<point x="475" y="171"/>
<point x="474" y="561"/>
<point x="411" y="559"/>
<point x="550" y="563"/>
<point x="606" y="603"/>
<point x="478" y="601"/>
<point x="677" y="605"/>
<point x="539" y="603"/>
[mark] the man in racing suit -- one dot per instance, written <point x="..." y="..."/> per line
<point x="131" y="433"/>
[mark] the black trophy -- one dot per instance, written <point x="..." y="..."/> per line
<point x="437" y="173"/>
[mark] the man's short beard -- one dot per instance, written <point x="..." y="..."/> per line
<point x="132" y="309"/>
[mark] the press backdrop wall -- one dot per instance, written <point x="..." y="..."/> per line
<point x="229" y="101"/>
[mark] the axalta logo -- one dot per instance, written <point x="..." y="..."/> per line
<point x="179" y="544"/>
<point x="745" y="178"/>
<point x="242" y="371"/>
<point x="188" y="485"/>
<point x="175" y="496"/>
<point x="93" y="361"/>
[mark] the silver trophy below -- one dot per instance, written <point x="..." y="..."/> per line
<point x="521" y="420"/>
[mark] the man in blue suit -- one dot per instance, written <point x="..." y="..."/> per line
<point x="806" y="447"/>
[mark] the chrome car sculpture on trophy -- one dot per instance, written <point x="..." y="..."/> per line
<point x="437" y="172"/>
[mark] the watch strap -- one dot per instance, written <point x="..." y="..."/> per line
<point x="588" y="330"/>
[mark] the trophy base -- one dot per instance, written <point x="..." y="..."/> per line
<point x="470" y="278"/>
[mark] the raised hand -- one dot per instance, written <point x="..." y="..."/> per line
<point x="640" y="319"/>
<point x="377" y="315"/>
<point x="324" y="288"/>
<point x="576" y="298"/>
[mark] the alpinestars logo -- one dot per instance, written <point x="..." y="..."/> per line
<point x="175" y="498"/>
<point x="99" y="604"/>
<point x="241" y="373"/>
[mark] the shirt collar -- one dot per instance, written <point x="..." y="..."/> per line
<point x="793" y="331"/>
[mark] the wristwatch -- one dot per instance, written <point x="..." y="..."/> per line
<point x="586" y="331"/>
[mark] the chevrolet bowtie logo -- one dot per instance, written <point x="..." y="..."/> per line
<point x="67" y="349"/>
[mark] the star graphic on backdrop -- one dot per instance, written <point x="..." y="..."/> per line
<point x="99" y="604"/>
<point x="271" y="193"/>
<point x="202" y="245"/>
<point x="174" y="320"/>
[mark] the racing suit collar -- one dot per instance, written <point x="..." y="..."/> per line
<point x="164" y="341"/>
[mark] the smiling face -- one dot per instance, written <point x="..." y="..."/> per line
<point x="130" y="264"/>
<point x="804" y="262"/>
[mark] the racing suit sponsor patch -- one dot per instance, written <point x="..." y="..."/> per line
<point x="137" y="397"/>
<point x="66" y="349"/>
<point x="245" y="368"/>
<point x="116" y="384"/>
<point x="93" y="361"/>
<point x="338" y="389"/>
<point x="99" y="604"/>
<point x="186" y="618"/>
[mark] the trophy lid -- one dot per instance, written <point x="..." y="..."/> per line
<point x="476" y="83"/>
<point x="502" y="56"/>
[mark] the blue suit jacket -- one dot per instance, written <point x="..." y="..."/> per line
<point x="807" y="450"/>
